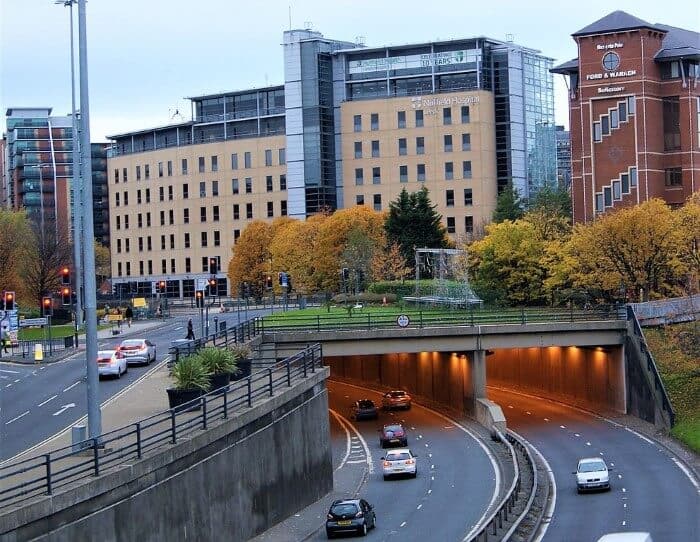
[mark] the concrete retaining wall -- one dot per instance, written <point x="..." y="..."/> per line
<point x="228" y="483"/>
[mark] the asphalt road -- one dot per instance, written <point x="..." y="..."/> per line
<point x="650" y="492"/>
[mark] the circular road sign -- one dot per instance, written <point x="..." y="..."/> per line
<point x="403" y="320"/>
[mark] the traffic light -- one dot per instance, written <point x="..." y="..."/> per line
<point x="345" y="273"/>
<point x="47" y="306"/>
<point x="161" y="287"/>
<point x="65" y="275"/>
<point x="213" y="266"/>
<point x="212" y="285"/>
<point x="9" y="301"/>
<point x="268" y="282"/>
<point x="65" y="295"/>
<point x="199" y="298"/>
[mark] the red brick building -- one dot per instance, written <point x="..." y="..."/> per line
<point x="634" y="113"/>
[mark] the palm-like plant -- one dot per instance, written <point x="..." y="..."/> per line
<point x="217" y="360"/>
<point x="190" y="373"/>
<point x="240" y="351"/>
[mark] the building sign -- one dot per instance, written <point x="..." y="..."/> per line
<point x="610" y="62"/>
<point x="430" y="104"/>
<point x="406" y="62"/>
<point x="605" y="46"/>
<point x="606" y="90"/>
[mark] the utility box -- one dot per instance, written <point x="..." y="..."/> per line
<point x="78" y="437"/>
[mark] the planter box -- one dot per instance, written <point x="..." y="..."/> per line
<point x="219" y="381"/>
<point x="177" y="397"/>
<point x="243" y="369"/>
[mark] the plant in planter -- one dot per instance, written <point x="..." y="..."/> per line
<point x="241" y="353"/>
<point x="191" y="378"/>
<point x="220" y="362"/>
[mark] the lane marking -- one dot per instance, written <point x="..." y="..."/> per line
<point x="563" y="426"/>
<point x="645" y="439"/>
<point x="430" y="491"/>
<point x="342" y="420"/>
<point x="551" y="505"/>
<point x="49" y="399"/>
<point x="72" y="386"/>
<point x="8" y="386"/>
<point x="403" y="524"/>
<point x="17" y="381"/>
<point x="17" y="417"/>
<point x="588" y="443"/>
<point x="8" y="371"/>
<point x="624" y="522"/>
<point x="419" y="507"/>
<point x="353" y="461"/>
<point x="624" y="490"/>
<point x="687" y="473"/>
<point x="64" y="408"/>
<point x="546" y="419"/>
<point x="576" y="435"/>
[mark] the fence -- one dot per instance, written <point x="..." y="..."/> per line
<point x="46" y="473"/>
<point x="25" y="348"/>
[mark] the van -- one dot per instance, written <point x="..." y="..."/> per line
<point x="626" y="537"/>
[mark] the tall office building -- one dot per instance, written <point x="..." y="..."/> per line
<point x="563" y="138"/>
<point x="634" y="111"/>
<point x="350" y="126"/>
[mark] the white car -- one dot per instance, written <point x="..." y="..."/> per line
<point x="111" y="363"/>
<point x="399" y="461"/>
<point x="592" y="473"/>
<point x="626" y="537"/>
<point x="138" y="350"/>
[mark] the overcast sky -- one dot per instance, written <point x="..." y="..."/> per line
<point x="145" y="56"/>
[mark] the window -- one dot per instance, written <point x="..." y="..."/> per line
<point x="249" y="210"/>
<point x="420" y="172"/>
<point x="162" y="242"/>
<point x="446" y="115"/>
<point x="403" y="174"/>
<point x="466" y="142"/>
<point x="217" y="238"/>
<point x="161" y="193"/>
<point x="270" y="211"/>
<point x="449" y="171"/>
<point x="163" y="266"/>
<point x="119" y="246"/>
<point x="599" y="202"/>
<point x="283" y="182"/>
<point x="614" y="119"/>
<point x="633" y="176"/>
<point x="172" y="265"/>
<point x="469" y="224"/>
<point x="672" y="124"/>
<point x="282" y="156"/>
<point x="234" y="161"/>
<point x="465" y="114"/>
<point x="126" y="198"/>
<point x="622" y="110"/>
<point x="184" y="166"/>
<point x="617" y="194"/>
<point x="140" y="267"/>
<point x="204" y="239"/>
<point x="139" y="220"/>
<point x="215" y="163"/>
<point x="116" y="175"/>
<point x="170" y="168"/>
<point x="420" y="145"/>
<point x="468" y="197"/>
<point x="376" y="175"/>
<point x="186" y="216"/>
<point x="201" y="164"/>
<point x="172" y="241"/>
<point x="247" y="160"/>
<point x="268" y="157"/>
<point x="124" y="174"/>
<point x="188" y="265"/>
<point x="202" y="189"/>
<point x="467" y="169"/>
<point x="357" y="123"/>
<point x="597" y="134"/>
<point x="375" y="148"/>
<point x="401" y="119"/>
<point x="283" y="207"/>
<point x="236" y="235"/>
<point x="450" y="224"/>
<point x="126" y="222"/>
<point x="234" y="186"/>
<point x="359" y="199"/>
<point x="447" y="142"/>
<point x="127" y="245"/>
<point x="160" y="169"/>
<point x="205" y="264"/>
<point x="358" y="149"/>
<point x="138" y="173"/>
<point x="673" y="177"/>
<point x="128" y="269"/>
<point x="148" y="216"/>
<point x="605" y="125"/>
<point x="202" y="214"/>
<point x="236" y="212"/>
<point x="359" y="176"/>
<point x="268" y="183"/>
<point x="630" y="105"/>
<point x="149" y="243"/>
<point x="146" y="171"/>
<point x="170" y="192"/>
<point x="248" y="185"/>
<point x="607" y="196"/>
<point x="215" y="213"/>
<point x="402" y="146"/>
<point x="625" y="179"/>
<point x="450" y="198"/>
<point x="374" y="121"/>
<point x="116" y="199"/>
<point x="171" y="217"/>
<point x="419" y="118"/>
<point x="215" y="188"/>
<point x="377" y="199"/>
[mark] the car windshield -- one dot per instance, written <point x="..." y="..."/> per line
<point x="397" y="394"/>
<point x="365" y="404"/>
<point x="131" y="344"/>
<point x="591" y="466"/>
<point x="393" y="428"/>
<point x="398" y="456"/>
<point x="344" y="509"/>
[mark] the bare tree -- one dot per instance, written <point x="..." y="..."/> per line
<point x="46" y="253"/>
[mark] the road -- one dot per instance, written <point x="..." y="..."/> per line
<point x="650" y="492"/>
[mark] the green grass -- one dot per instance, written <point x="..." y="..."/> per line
<point x="676" y="350"/>
<point x="57" y="332"/>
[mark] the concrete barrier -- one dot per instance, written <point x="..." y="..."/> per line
<point x="490" y="415"/>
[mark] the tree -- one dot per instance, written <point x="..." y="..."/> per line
<point x="48" y="251"/>
<point x="389" y="264"/>
<point x="688" y="225"/>
<point x="15" y="240"/>
<point x="552" y="201"/>
<point x="103" y="263"/>
<point x="251" y="257"/>
<point x="508" y="205"/>
<point x="357" y="256"/>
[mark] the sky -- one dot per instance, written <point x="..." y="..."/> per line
<point x="146" y="56"/>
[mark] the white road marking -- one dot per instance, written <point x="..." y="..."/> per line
<point x="347" y="434"/>
<point x="510" y="406"/>
<point x="419" y="507"/>
<point x="576" y="435"/>
<point x="624" y="505"/>
<point x="403" y="524"/>
<point x="8" y="371"/>
<point x="612" y="464"/>
<point x="426" y="445"/>
<point x="430" y="455"/>
<point x="624" y="490"/>
<point x="563" y="426"/>
<point x="430" y="491"/>
<point x="343" y="420"/>
<point x="64" y="408"/>
<point x="619" y="476"/>
<point x="17" y="381"/>
<point x="353" y="461"/>
<point x="549" y="512"/>
<point x="546" y="419"/>
<point x="624" y="523"/>
<point x="419" y="436"/>
<point x="528" y="413"/>
<point x="645" y="439"/>
<point x="687" y="473"/>
<point x="49" y="399"/>
<point x="17" y="418"/>
<point x="72" y="386"/>
<point x="588" y="443"/>
<point x="432" y="466"/>
<point x="432" y="477"/>
<point x="8" y="386"/>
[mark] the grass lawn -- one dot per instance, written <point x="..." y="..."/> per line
<point x="57" y="332"/>
<point x="676" y="350"/>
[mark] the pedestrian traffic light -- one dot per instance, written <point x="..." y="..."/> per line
<point x="199" y="298"/>
<point x="65" y="295"/>
<point x="65" y="275"/>
<point x="213" y="266"/>
<point x="47" y="306"/>
<point x="8" y="299"/>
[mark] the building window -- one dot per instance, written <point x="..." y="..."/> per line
<point x="163" y="266"/>
<point x="419" y="118"/>
<point x="126" y="222"/>
<point x="450" y="198"/>
<point x="450" y="224"/>
<point x="268" y="157"/>
<point x="447" y="141"/>
<point x="162" y="242"/>
<point x="672" y="123"/>
<point x="283" y="207"/>
<point x="148" y="216"/>
<point x="469" y="224"/>
<point x="465" y="114"/>
<point x="605" y="125"/>
<point x="127" y="244"/>
<point x="374" y="121"/>
<point x="283" y="182"/>
<point x="633" y="176"/>
<point x="128" y="269"/>
<point x="116" y="175"/>
<point x="160" y="169"/>
<point x="149" y="244"/>
<point x="204" y="239"/>
<point x="403" y="174"/>
<point x="202" y="214"/>
<point x="201" y="164"/>
<point x="184" y="166"/>
<point x="420" y="145"/>
<point x="215" y="188"/>
<point x="217" y="238"/>
<point x="614" y="119"/>
<point x="119" y="269"/>
<point x="449" y="171"/>
<point x="188" y="265"/>
<point x="402" y="146"/>
<point x="359" y="199"/>
<point x="248" y="185"/>
<point x="186" y="216"/>
<point x="202" y="189"/>
<point x="359" y="176"/>
<point x="236" y="213"/>
<point x="357" y="123"/>
<point x="170" y="192"/>
<point x="468" y="197"/>
<point x="377" y="199"/>
<point x="172" y="265"/>
<point x="376" y="175"/>
<point x="234" y="186"/>
<point x="446" y="115"/>
<point x="116" y="199"/>
<point x="205" y="264"/>
<point x="234" y="161"/>
<point x="171" y="217"/>
<point x="126" y="198"/>
<point x="673" y="177"/>
<point x="138" y="173"/>
<point x="146" y="171"/>
<point x="119" y="246"/>
<point x="358" y="149"/>
<point x="607" y="196"/>
<point x="375" y="148"/>
<point x="625" y="180"/>
<point x="124" y="171"/>
<point x="401" y="119"/>
<point x="630" y="105"/>
<point x="236" y="235"/>
<point x="215" y="163"/>
<point x="282" y="156"/>
<point x="170" y="168"/>
<point x="139" y="220"/>
<point x="268" y="183"/>
<point x="467" y="169"/>
<point x="597" y="133"/>
<point x="215" y="213"/>
<point x="172" y="241"/>
<point x="119" y="225"/>
<point x="622" y="110"/>
<point x="247" y="159"/>
<point x="420" y="172"/>
<point x="617" y="194"/>
<point x="270" y="210"/>
<point x="161" y="193"/>
<point x="466" y="142"/>
<point x="249" y="210"/>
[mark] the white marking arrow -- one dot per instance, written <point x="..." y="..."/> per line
<point x="63" y="409"/>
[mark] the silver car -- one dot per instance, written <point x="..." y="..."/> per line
<point x="138" y="351"/>
<point x="111" y="363"/>
<point x="592" y="474"/>
<point x="399" y="461"/>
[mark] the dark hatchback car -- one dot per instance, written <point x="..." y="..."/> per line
<point x="350" y="516"/>
<point x="365" y="409"/>
<point x="393" y="435"/>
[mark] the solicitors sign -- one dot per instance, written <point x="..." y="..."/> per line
<point x="405" y="62"/>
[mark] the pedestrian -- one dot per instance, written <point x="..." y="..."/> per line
<point x="159" y="312"/>
<point x="190" y="329"/>
<point x="129" y="315"/>
<point x="5" y="340"/>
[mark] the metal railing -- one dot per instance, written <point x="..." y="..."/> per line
<point x="45" y="474"/>
<point x="220" y="337"/>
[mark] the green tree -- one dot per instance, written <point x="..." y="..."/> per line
<point x="508" y="205"/>
<point x="553" y="202"/>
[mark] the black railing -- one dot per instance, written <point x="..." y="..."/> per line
<point x="47" y="473"/>
<point x="219" y="337"/>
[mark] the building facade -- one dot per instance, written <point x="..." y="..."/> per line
<point x="350" y="126"/>
<point x="634" y="114"/>
<point x="563" y="138"/>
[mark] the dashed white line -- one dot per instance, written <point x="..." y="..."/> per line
<point x="49" y="399"/>
<point x="403" y="524"/>
<point x="645" y="439"/>
<point x="8" y="386"/>
<point x="528" y="413"/>
<point x="419" y="507"/>
<point x="17" y="381"/>
<point x="430" y="491"/>
<point x="72" y="386"/>
<point x="588" y="443"/>
<point x="563" y="426"/>
<point x="576" y="435"/>
<point x="624" y="523"/>
<point x="17" y="417"/>
<point x="432" y="466"/>
<point x="624" y="490"/>
<point x="546" y="419"/>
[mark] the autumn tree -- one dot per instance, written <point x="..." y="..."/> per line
<point x="688" y="225"/>
<point x="47" y="251"/>
<point x="357" y="256"/>
<point x="103" y="263"/>
<point x="508" y="205"/>
<point x="389" y="264"/>
<point x="250" y="261"/>
<point x="15" y="238"/>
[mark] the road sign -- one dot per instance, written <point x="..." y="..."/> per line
<point x="403" y="320"/>
<point x="201" y="283"/>
<point x="26" y="322"/>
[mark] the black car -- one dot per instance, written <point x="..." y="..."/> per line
<point x="365" y="409"/>
<point x="350" y="516"/>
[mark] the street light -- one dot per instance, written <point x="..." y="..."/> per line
<point x="41" y="190"/>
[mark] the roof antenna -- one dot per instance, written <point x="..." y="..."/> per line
<point x="290" y="16"/>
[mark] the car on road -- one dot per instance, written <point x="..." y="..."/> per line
<point x="626" y="537"/>
<point x="138" y="351"/>
<point x="399" y="461"/>
<point x="393" y="434"/>
<point x="227" y="306"/>
<point x="111" y="363"/>
<point x="350" y="516"/>
<point x="592" y="474"/>
<point x="396" y="399"/>
<point x="364" y="409"/>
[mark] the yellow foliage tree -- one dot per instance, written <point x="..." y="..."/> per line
<point x="251" y="257"/>
<point x="388" y="263"/>
<point x="688" y="224"/>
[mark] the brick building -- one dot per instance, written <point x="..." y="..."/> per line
<point x="634" y="114"/>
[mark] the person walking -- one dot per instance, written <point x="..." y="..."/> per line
<point x="190" y="329"/>
<point x="5" y="340"/>
<point x="129" y="315"/>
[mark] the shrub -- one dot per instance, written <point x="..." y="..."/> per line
<point x="217" y="360"/>
<point x="190" y="373"/>
<point x="240" y="351"/>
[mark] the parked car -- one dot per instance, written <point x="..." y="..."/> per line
<point x="138" y="350"/>
<point x="228" y="306"/>
<point x="364" y="409"/>
<point x="399" y="461"/>
<point x="350" y="516"/>
<point x="393" y="435"/>
<point x="396" y="399"/>
<point x="111" y="363"/>
<point x="592" y="474"/>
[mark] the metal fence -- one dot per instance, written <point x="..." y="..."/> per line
<point x="48" y="473"/>
<point x="26" y="348"/>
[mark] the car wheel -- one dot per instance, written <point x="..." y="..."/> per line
<point x="364" y="529"/>
<point x="414" y="474"/>
<point x="386" y="477"/>
<point x="329" y="535"/>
